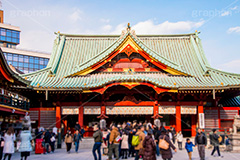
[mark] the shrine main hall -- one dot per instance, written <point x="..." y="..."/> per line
<point x="131" y="77"/>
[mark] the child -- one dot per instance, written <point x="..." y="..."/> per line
<point x="227" y="143"/>
<point x="189" y="147"/>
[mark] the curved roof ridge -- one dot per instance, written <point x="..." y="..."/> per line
<point x="10" y="71"/>
<point x="224" y="72"/>
<point x="117" y="35"/>
<point x="35" y="72"/>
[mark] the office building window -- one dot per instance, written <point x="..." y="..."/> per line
<point x="9" y="35"/>
<point x="25" y="63"/>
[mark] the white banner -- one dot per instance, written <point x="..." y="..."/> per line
<point x="201" y="120"/>
<point x="94" y="110"/>
<point x="167" y="110"/>
<point x="138" y="110"/>
<point x="188" y="110"/>
<point x="70" y="110"/>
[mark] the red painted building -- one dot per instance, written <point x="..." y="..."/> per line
<point x="132" y="77"/>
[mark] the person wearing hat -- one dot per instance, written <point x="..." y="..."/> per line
<point x="149" y="147"/>
<point x="215" y="143"/>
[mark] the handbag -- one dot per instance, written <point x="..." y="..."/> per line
<point x="53" y="139"/>
<point x="118" y="138"/>
<point x="163" y="144"/>
<point x="220" y="139"/>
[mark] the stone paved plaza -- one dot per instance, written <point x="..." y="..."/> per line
<point x="85" y="154"/>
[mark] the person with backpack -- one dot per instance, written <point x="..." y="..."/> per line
<point x="131" y="151"/>
<point x="215" y="143"/>
<point x="114" y="141"/>
<point x="139" y="146"/>
<point x="201" y="143"/>
<point x="98" y="139"/>
<point x="166" y="152"/>
<point x="189" y="147"/>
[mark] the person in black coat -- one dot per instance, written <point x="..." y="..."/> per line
<point x="156" y="137"/>
<point x="149" y="147"/>
<point x="77" y="127"/>
<point x="215" y="143"/>
<point x="47" y="140"/>
<point x="131" y="147"/>
<point x="167" y="154"/>
<point x="201" y="143"/>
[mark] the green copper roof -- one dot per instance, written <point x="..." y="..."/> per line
<point x="73" y="53"/>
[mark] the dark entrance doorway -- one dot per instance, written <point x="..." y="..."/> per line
<point x="70" y="121"/>
<point x="187" y="125"/>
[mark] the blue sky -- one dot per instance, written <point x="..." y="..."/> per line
<point x="218" y="21"/>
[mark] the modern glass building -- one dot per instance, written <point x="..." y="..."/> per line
<point x="24" y="60"/>
<point x="26" y="63"/>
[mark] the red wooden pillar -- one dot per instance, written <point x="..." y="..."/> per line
<point x="65" y="126"/>
<point x="219" y="119"/>
<point x="58" y="116"/>
<point x="178" y="119"/>
<point x="80" y="115"/>
<point x="200" y="109"/>
<point x="194" y="125"/>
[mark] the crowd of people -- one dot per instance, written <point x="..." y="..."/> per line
<point x="147" y="142"/>
<point x="134" y="140"/>
<point x="120" y="141"/>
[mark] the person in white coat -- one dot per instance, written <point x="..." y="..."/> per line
<point x="25" y="147"/>
<point x="124" y="146"/>
<point x="179" y="140"/>
<point x="9" y="139"/>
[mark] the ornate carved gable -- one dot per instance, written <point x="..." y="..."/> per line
<point x="128" y="55"/>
